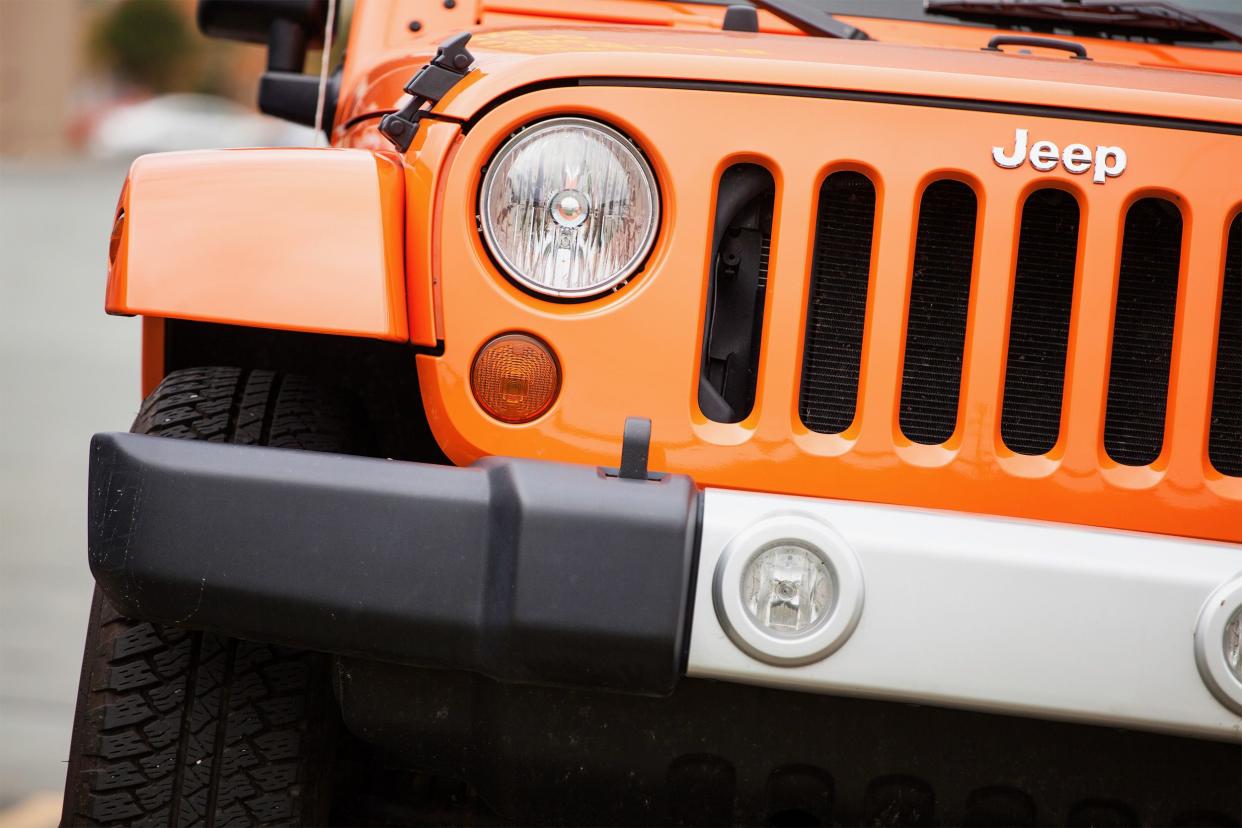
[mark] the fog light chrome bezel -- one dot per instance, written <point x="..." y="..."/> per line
<point x="830" y="632"/>
<point x="1210" y="643"/>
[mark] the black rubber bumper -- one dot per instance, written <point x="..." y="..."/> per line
<point x="521" y="570"/>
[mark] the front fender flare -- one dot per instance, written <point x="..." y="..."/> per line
<point x="291" y="239"/>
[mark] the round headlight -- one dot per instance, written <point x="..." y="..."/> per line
<point x="569" y="208"/>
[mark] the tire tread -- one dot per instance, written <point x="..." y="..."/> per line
<point x="184" y="728"/>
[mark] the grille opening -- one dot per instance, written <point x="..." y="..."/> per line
<point x="741" y="242"/>
<point x="1225" y="432"/>
<point x="936" y="327"/>
<point x="840" y="269"/>
<point x="1039" y="322"/>
<point x="1138" y="377"/>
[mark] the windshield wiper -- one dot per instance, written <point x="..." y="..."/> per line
<point x="811" y="19"/>
<point x="1136" y="14"/>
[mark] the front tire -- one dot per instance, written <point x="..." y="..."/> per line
<point x="182" y="728"/>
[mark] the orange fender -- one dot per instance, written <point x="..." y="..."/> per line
<point x="293" y="239"/>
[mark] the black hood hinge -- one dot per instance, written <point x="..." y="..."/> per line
<point x="431" y="83"/>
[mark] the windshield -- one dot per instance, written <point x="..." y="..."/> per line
<point x="914" y="10"/>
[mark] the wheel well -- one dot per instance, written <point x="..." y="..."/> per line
<point x="382" y="376"/>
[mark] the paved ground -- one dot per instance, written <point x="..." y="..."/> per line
<point x="66" y="370"/>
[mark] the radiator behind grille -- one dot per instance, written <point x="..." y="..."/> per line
<point x="1225" y="436"/>
<point x="838" y="302"/>
<point x="1138" y="379"/>
<point x="1039" y="322"/>
<point x="936" y="326"/>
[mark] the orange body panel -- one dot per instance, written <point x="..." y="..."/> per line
<point x="384" y="51"/>
<point x="511" y="59"/>
<point x="381" y="33"/>
<point x="1106" y="51"/>
<point x="636" y="352"/>
<point x="294" y="239"/>
<point x="424" y="181"/>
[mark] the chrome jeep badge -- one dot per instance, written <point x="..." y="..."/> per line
<point x="1109" y="162"/>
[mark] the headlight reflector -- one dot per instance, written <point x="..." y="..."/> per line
<point x="569" y="208"/>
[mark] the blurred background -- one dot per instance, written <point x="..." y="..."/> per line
<point x="85" y="86"/>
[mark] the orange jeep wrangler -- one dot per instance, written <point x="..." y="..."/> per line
<point x="807" y="412"/>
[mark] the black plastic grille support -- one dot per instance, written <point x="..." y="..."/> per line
<point x="1138" y="377"/>
<point x="738" y="280"/>
<point x="1225" y="433"/>
<point x="939" y="300"/>
<point x="840" y="269"/>
<point x="1043" y="291"/>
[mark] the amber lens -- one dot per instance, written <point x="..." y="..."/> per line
<point x="114" y="243"/>
<point x="515" y="378"/>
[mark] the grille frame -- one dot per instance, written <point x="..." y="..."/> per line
<point x="772" y="450"/>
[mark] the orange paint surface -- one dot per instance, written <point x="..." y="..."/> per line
<point x="511" y="59"/>
<point x="381" y="36"/>
<point x="425" y="185"/>
<point x="603" y="37"/>
<point x="636" y="352"/>
<point x="293" y="239"/>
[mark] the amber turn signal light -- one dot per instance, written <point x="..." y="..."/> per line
<point x="515" y="378"/>
<point x="114" y="243"/>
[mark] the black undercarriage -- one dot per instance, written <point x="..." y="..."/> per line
<point x="464" y="748"/>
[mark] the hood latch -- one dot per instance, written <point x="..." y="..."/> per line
<point x="451" y="64"/>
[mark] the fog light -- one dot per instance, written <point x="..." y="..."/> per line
<point x="788" y="590"/>
<point x="515" y="378"/>
<point x="1233" y="643"/>
<point x="1218" y="644"/>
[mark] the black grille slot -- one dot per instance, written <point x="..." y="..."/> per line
<point x="1138" y="379"/>
<point x="939" y="296"/>
<point x="741" y="242"/>
<point x="1043" y="290"/>
<point x="1225" y="437"/>
<point x="840" y="268"/>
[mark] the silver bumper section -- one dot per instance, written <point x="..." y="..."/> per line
<point x="984" y="613"/>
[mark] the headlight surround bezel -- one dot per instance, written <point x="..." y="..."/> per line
<point x="491" y="245"/>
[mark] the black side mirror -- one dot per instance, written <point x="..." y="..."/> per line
<point x="288" y="28"/>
